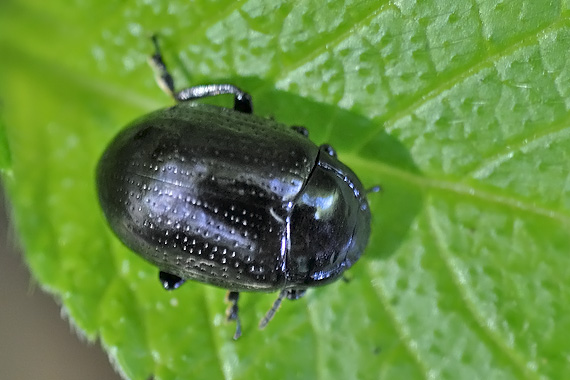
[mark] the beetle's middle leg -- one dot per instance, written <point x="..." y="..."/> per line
<point x="242" y="100"/>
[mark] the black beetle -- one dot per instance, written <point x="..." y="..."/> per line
<point x="230" y="199"/>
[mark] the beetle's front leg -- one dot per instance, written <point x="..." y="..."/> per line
<point x="232" y="312"/>
<point x="292" y="294"/>
<point x="242" y="100"/>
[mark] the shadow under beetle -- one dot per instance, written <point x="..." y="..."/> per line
<point x="230" y="199"/>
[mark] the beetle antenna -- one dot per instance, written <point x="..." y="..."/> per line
<point x="273" y="309"/>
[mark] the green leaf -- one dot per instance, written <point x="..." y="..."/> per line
<point x="460" y="109"/>
<point x="5" y="156"/>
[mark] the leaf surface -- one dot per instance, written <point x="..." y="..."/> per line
<point x="459" y="109"/>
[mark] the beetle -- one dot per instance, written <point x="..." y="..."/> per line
<point x="226" y="198"/>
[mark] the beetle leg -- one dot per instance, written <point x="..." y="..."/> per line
<point x="163" y="77"/>
<point x="232" y="312"/>
<point x="170" y="281"/>
<point x="329" y="150"/>
<point x="301" y="130"/>
<point x="295" y="294"/>
<point x="273" y="309"/>
<point x="242" y="100"/>
<point x="292" y="294"/>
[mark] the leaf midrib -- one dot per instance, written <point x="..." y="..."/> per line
<point x="461" y="189"/>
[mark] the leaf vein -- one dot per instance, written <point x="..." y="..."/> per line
<point x="462" y="189"/>
<point x="467" y="299"/>
<point x="481" y="26"/>
<point x="319" y="362"/>
<point x="211" y="330"/>
<point x="405" y="338"/>
<point x="386" y="122"/>
<point x="208" y="22"/>
<point x="488" y="164"/>
<point x="335" y="40"/>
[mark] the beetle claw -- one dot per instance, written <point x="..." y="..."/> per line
<point x="237" y="334"/>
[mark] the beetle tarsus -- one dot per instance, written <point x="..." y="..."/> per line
<point x="292" y="294"/>
<point x="232" y="312"/>
<point x="269" y="316"/>
<point x="163" y="77"/>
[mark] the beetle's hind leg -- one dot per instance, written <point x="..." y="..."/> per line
<point x="232" y="312"/>
<point x="242" y="100"/>
<point x="292" y="294"/>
